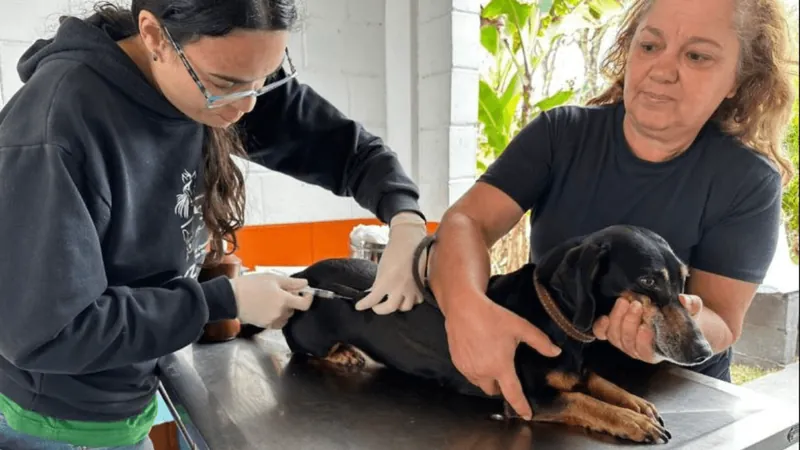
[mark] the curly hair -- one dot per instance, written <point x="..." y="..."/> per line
<point x="760" y="111"/>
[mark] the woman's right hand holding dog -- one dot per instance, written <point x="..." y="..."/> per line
<point x="483" y="340"/>
<point x="267" y="299"/>
<point x="482" y="336"/>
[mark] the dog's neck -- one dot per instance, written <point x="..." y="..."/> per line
<point x="548" y="302"/>
<point x="554" y="310"/>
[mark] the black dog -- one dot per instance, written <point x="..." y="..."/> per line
<point x="574" y="284"/>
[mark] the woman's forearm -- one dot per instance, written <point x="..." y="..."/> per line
<point x="715" y="330"/>
<point x="459" y="261"/>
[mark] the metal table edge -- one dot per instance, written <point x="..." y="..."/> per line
<point x="779" y="418"/>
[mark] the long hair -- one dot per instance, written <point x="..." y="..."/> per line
<point x="759" y="112"/>
<point x="187" y="21"/>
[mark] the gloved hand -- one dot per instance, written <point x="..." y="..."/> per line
<point x="268" y="300"/>
<point x="394" y="286"/>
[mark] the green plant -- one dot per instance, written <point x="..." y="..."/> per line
<point x="743" y="374"/>
<point x="521" y="38"/>
<point x="790" y="195"/>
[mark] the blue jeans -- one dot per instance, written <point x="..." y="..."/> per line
<point x="12" y="440"/>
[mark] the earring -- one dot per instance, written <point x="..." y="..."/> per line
<point x="155" y="57"/>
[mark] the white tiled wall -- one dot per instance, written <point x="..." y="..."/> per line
<point x="406" y="69"/>
<point x="449" y="52"/>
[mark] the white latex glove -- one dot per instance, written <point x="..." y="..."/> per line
<point x="394" y="279"/>
<point x="268" y="300"/>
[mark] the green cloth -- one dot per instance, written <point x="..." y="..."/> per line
<point x="121" y="433"/>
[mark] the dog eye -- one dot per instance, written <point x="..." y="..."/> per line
<point x="647" y="282"/>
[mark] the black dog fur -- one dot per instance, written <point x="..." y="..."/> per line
<point x="584" y="276"/>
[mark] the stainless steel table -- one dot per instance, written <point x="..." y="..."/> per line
<point x="242" y="395"/>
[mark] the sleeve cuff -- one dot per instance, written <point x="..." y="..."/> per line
<point x="748" y="276"/>
<point x="220" y="299"/>
<point x="394" y="203"/>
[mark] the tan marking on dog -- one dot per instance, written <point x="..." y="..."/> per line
<point x="604" y="390"/>
<point x="675" y="322"/>
<point x="649" y="310"/>
<point x="343" y="356"/>
<point x="562" y="381"/>
<point x="634" y="297"/>
<point x="665" y="272"/>
<point x="581" y="410"/>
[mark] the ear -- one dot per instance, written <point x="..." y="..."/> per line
<point x="550" y="261"/>
<point x="575" y="280"/>
<point x="152" y="35"/>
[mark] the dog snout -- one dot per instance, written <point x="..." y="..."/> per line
<point x="699" y="351"/>
<point x="678" y="338"/>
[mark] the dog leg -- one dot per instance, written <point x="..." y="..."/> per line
<point x="345" y="357"/>
<point x="581" y="410"/>
<point x="604" y="390"/>
<point x="560" y="381"/>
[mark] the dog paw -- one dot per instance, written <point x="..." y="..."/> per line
<point x="642" y="406"/>
<point x="636" y="427"/>
<point x="345" y="357"/>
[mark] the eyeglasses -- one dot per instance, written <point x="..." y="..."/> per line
<point x="216" y="101"/>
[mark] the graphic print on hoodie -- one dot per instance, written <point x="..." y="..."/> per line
<point x="103" y="236"/>
<point x="189" y="207"/>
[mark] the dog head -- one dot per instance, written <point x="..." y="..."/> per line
<point x="587" y="275"/>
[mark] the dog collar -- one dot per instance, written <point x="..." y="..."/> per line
<point x="544" y="297"/>
<point x="558" y="317"/>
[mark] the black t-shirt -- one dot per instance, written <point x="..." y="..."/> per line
<point x="718" y="204"/>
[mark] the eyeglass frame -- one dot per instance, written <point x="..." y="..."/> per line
<point x="234" y="96"/>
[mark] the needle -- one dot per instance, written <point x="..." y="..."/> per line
<point x="322" y="293"/>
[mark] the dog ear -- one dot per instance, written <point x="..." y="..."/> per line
<point x="575" y="279"/>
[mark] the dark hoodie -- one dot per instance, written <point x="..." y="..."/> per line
<point x="101" y="223"/>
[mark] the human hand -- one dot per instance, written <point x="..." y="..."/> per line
<point x="268" y="300"/>
<point x="483" y="340"/>
<point x="394" y="287"/>
<point x="625" y="329"/>
<point x="692" y="303"/>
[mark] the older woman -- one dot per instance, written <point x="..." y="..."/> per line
<point x="686" y="142"/>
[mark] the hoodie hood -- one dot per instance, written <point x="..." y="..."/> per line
<point x="93" y="42"/>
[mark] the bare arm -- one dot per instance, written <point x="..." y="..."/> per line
<point x="482" y="336"/>
<point x="725" y="303"/>
<point x="734" y="254"/>
<point x="460" y="259"/>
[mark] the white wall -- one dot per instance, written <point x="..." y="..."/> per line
<point x="406" y="69"/>
<point x="21" y="22"/>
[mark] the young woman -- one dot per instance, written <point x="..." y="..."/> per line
<point x="118" y="182"/>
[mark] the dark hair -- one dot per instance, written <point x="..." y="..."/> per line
<point x="189" y="20"/>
